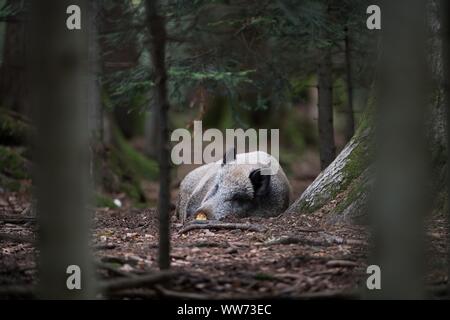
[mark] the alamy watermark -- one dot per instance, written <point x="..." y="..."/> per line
<point x="190" y="150"/>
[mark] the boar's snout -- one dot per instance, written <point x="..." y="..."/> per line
<point x="203" y="214"/>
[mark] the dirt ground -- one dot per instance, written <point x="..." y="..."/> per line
<point x="290" y="256"/>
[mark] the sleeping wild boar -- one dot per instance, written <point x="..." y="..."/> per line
<point x="233" y="186"/>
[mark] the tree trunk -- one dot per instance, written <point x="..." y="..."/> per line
<point x="59" y="71"/>
<point x="95" y="117"/>
<point x="151" y="134"/>
<point x="157" y="29"/>
<point x="94" y="100"/>
<point x="326" y="128"/>
<point x="12" y="69"/>
<point x="341" y="190"/>
<point x="349" y="130"/>
<point x="400" y="192"/>
<point x="445" y="31"/>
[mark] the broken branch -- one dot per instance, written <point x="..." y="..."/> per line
<point x="224" y="226"/>
<point x="138" y="281"/>
<point x="13" y="218"/>
<point x="15" y="238"/>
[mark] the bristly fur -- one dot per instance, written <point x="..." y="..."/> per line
<point x="233" y="186"/>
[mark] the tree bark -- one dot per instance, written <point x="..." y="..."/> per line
<point x="341" y="190"/>
<point x="157" y="29"/>
<point x="59" y="71"/>
<point x="326" y="128"/>
<point x="151" y="134"/>
<point x="349" y="130"/>
<point x="12" y="69"/>
<point x="445" y="31"/>
<point x="94" y="100"/>
<point x="400" y="192"/>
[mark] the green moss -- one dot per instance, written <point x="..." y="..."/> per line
<point x="143" y="167"/>
<point x="120" y="168"/>
<point x="13" y="168"/>
<point x="103" y="201"/>
<point x="367" y="118"/>
<point x="356" y="189"/>
<point x="12" y="164"/>
<point x="357" y="161"/>
<point x="13" y="130"/>
<point x="128" y="179"/>
<point x="9" y="184"/>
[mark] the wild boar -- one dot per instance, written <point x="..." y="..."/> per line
<point x="234" y="186"/>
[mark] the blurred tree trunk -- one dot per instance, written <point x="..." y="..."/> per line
<point x="326" y="130"/>
<point x="59" y="72"/>
<point x="12" y="70"/>
<point x="157" y="28"/>
<point x="349" y="130"/>
<point x="400" y="194"/>
<point x="445" y="18"/>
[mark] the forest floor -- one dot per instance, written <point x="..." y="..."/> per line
<point x="289" y="256"/>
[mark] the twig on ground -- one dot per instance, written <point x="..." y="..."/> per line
<point x="309" y="230"/>
<point x="295" y="240"/>
<point x="114" y="270"/>
<point x="104" y="246"/>
<point x="136" y="282"/>
<point x="341" y="263"/>
<point x="224" y="226"/>
<point x="324" y="239"/>
<point x="206" y="244"/>
<point x="16" y="238"/>
<point x="15" y="218"/>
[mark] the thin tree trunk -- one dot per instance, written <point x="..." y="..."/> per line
<point x="95" y="120"/>
<point x="94" y="101"/>
<point x="157" y="29"/>
<point x="400" y="189"/>
<point x="151" y="134"/>
<point x="350" y="117"/>
<point x="59" y="72"/>
<point x="326" y="130"/>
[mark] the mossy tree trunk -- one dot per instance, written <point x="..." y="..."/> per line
<point x="341" y="189"/>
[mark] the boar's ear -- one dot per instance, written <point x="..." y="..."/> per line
<point x="229" y="156"/>
<point x="261" y="183"/>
